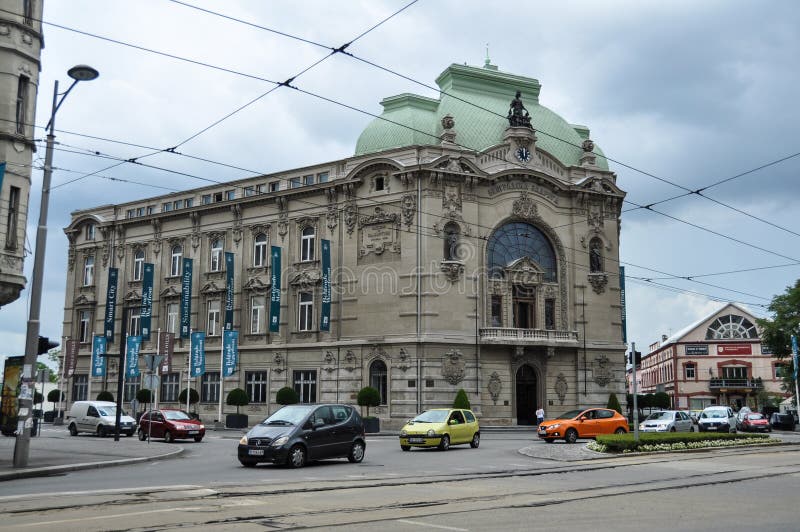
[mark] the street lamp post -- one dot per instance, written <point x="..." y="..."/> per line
<point x="22" y="446"/>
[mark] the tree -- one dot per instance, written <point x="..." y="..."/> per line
<point x="105" y="395"/>
<point x="37" y="398"/>
<point x="193" y="396"/>
<point x="776" y="333"/>
<point x="55" y="396"/>
<point x="613" y="403"/>
<point x="287" y="396"/>
<point x="368" y="396"/>
<point x="462" y="401"/>
<point x="144" y="396"/>
<point x="237" y="397"/>
<point x="662" y="400"/>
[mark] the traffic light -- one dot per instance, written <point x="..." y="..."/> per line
<point x="638" y="357"/>
<point x="45" y="345"/>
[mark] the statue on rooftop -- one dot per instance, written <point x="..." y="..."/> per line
<point x="516" y="118"/>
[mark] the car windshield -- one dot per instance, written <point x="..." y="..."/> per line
<point x="660" y="415"/>
<point x="755" y="416"/>
<point x="713" y="414"/>
<point x="432" y="416"/>
<point x="109" y="411"/>
<point x="572" y="414"/>
<point x="289" y="415"/>
<point x="177" y="415"/>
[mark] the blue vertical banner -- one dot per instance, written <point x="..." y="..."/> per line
<point x="197" y="354"/>
<point x="230" y="352"/>
<point x="622" y="304"/>
<point x="186" y="298"/>
<point x="228" y="291"/>
<point x="275" y="292"/>
<point x="111" y="304"/>
<point x="132" y="357"/>
<point x="325" y="315"/>
<point x="2" y="173"/>
<point x="99" y="356"/>
<point x="794" y="355"/>
<point x="147" y="300"/>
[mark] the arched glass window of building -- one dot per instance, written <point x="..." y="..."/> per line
<point x="596" y="255"/>
<point x="515" y="240"/>
<point x="731" y="326"/>
<point x="138" y="265"/>
<point x="216" y="255"/>
<point x="260" y="251"/>
<point x="307" y="244"/>
<point x="378" y="378"/>
<point x="452" y="242"/>
<point x="176" y="262"/>
<point x="88" y="271"/>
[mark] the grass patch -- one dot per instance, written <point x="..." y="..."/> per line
<point x="674" y="441"/>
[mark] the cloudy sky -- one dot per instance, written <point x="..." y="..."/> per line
<point x="680" y="95"/>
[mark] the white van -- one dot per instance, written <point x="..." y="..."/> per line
<point x="717" y="419"/>
<point x="98" y="417"/>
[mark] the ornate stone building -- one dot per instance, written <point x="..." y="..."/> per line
<point x="473" y="245"/>
<point x="21" y="43"/>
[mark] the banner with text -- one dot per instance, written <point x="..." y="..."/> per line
<point x="132" y="357"/>
<point x="147" y="300"/>
<point x="111" y="304"/>
<point x="228" y="291"/>
<point x="2" y="173"/>
<point x="230" y="352"/>
<point x="98" y="356"/>
<point x="794" y="355"/>
<point x="166" y="346"/>
<point x="186" y="298"/>
<point x="275" y="292"/>
<point x="197" y="354"/>
<point x="325" y="314"/>
<point x="622" y="304"/>
<point x="71" y="358"/>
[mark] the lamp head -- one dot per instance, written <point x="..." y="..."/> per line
<point x="82" y="73"/>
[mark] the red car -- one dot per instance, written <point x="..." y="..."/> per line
<point x="756" y="423"/>
<point x="170" y="424"/>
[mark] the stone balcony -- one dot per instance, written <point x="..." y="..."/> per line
<point x="512" y="336"/>
<point x="724" y="385"/>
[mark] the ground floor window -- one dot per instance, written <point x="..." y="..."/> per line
<point x="305" y="384"/>
<point x="80" y="387"/>
<point x="130" y="389"/>
<point x="209" y="387"/>
<point x="378" y="380"/>
<point x="256" y="386"/>
<point x="170" y="384"/>
<point x="699" y="403"/>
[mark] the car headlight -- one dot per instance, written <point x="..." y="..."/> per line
<point x="243" y="441"/>
<point x="403" y="433"/>
<point x="431" y="433"/>
<point x="641" y="426"/>
<point x="277" y="442"/>
<point x="554" y="426"/>
<point x="201" y="427"/>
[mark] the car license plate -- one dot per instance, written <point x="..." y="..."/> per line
<point x="256" y="452"/>
<point x="194" y="432"/>
<point x="711" y="428"/>
<point x="542" y="432"/>
<point x="416" y="440"/>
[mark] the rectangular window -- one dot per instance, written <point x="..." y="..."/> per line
<point x="274" y="186"/>
<point x="149" y="209"/>
<point x="322" y="177"/>
<point x="217" y="197"/>
<point x="308" y="180"/>
<point x="167" y="207"/>
<point x="305" y="311"/>
<point x="249" y="191"/>
<point x="22" y="103"/>
<point x="257" y="314"/>
<point x="305" y="384"/>
<point x="430" y="383"/>
<point x="84" y="326"/>
<point x="260" y="188"/>
<point x="177" y="204"/>
<point x="132" y="385"/>
<point x="213" y="318"/>
<point x="690" y="371"/>
<point x="230" y="194"/>
<point x="295" y="182"/>
<point x="135" y="321"/>
<point x="131" y="213"/>
<point x="550" y="314"/>
<point x="256" y="386"/>
<point x="497" y="311"/>
<point x="412" y="383"/>
<point x="80" y="387"/>
<point x="140" y="211"/>
<point x="170" y="387"/>
<point x="176" y="261"/>
<point x="88" y="271"/>
<point x="780" y="371"/>
<point x="209" y="387"/>
<point x="734" y="373"/>
<point x="173" y="318"/>
<point x="205" y="199"/>
<point x="379" y="183"/>
<point x="188" y="202"/>
<point x="13" y="218"/>
<point x="138" y="265"/>
<point x="90" y="232"/>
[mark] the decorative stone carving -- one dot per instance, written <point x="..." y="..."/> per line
<point x="278" y="363"/>
<point x="453" y="366"/>
<point x="132" y="296"/>
<point x="257" y="229"/>
<point x="598" y="282"/>
<point x="333" y="211"/>
<point x="408" y="206"/>
<point x="379" y="233"/>
<point x="350" y="216"/>
<point x="518" y="355"/>
<point x="602" y="372"/>
<point x="283" y="217"/>
<point x="524" y="207"/>
<point x="561" y="388"/>
<point x="236" y="233"/>
<point x="255" y="284"/>
<point x="212" y="288"/>
<point x="403" y="360"/>
<point x="551" y="352"/>
<point x="195" y="218"/>
<point x="588" y="145"/>
<point x="448" y="122"/>
<point x="451" y="201"/>
<point x="495" y="386"/>
<point x="329" y="361"/>
<point x="305" y="278"/>
<point x="71" y="251"/>
<point x="170" y="291"/>
<point x="350" y="360"/>
<point x="120" y="242"/>
<point x="377" y="351"/>
<point x="452" y="269"/>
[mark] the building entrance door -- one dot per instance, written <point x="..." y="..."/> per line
<point x="524" y="307"/>
<point x="526" y="395"/>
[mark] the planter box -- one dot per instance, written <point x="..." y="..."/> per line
<point x="372" y="424"/>
<point x="236" y="421"/>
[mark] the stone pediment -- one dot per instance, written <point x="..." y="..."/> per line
<point x="524" y="271"/>
<point x="305" y="278"/>
<point x="256" y="284"/>
<point x="600" y="186"/>
<point x="133" y="295"/>
<point x="170" y="291"/>
<point x="84" y="299"/>
<point x="212" y="288"/>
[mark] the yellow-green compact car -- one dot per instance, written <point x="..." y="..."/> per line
<point x="441" y="427"/>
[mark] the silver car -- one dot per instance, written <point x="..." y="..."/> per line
<point x="667" y="421"/>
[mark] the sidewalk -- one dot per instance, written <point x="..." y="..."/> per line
<point x="54" y="451"/>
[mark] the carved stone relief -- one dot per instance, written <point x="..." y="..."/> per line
<point x="408" y="205"/>
<point x="561" y="388"/>
<point x="329" y="362"/>
<point x="350" y="360"/>
<point x="452" y="269"/>
<point x="598" y="282"/>
<point x="495" y="386"/>
<point x="379" y="233"/>
<point x="602" y="371"/>
<point x="278" y="363"/>
<point x="350" y="216"/>
<point x="333" y="210"/>
<point x="404" y="362"/>
<point x="283" y="217"/>
<point x="524" y="207"/>
<point x="236" y="233"/>
<point x="453" y="366"/>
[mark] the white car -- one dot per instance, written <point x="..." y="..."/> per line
<point x="717" y="419"/>
<point x="667" y="421"/>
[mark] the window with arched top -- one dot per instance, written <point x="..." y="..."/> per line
<point x="260" y="250"/>
<point x="138" y="264"/>
<point x="307" y="241"/>
<point x="378" y="378"/>
<point x="515" y="240"/>
<point x="731" y="327"/>
<point x="595" y="255"/>
<point x="216" y="255"/>
<point x="176" y="260"/>
<point x="452" y="242"/>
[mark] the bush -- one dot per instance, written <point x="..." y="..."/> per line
<point x="193" y="396"/>
<point x="37" y="398"/>
<point x="144" y="396"/>
<point x="54" y="396"/>
<point x="613" y="403"/>
<point x="662" y="400"/>
<point x="620" y="443"/>
<point x="368" y="396"/>
<point x="462" y="401"/>
<point x="287" y="396"/>
<point x="105" y="395"/>
<point x="237" y="397"/>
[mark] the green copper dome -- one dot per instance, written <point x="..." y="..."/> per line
<point x="480" y="123"/>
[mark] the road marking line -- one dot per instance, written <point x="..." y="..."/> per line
<point x="114" y="516"/>
<point x="101" y="492"/>
<point x="420" y="523"/>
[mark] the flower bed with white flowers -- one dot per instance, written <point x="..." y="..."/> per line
<point x="675" y="441"/>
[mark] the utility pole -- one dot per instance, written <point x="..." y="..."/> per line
<point x="635" y="391"/>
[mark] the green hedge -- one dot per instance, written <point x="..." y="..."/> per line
<point x="618" y="443"/>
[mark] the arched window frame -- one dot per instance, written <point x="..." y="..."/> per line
<point x="510" y="242"/>
<point x="379" y="379"/>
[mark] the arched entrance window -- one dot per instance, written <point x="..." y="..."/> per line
<point x="516" y="240"/>
<point x="378" y="379"/>
<point x="526" y="395"/>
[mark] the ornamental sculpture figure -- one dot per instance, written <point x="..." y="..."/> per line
<point x="516" y="118"/>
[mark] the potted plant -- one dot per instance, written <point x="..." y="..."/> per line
<point x="236" y="397"/>
<point x="143" y="397"/>
<point x="105" y="395"/>
<point x="54" y="396"/>
<point x="462" y="401"/>
<point x="193" y="400"/>
<point x="369" y="396"/>
<point x="287" y="396"/>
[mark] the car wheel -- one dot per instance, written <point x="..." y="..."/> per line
<point x="691" y="429"/>
<point x="247" y="463"/>
<point x="672" y="429"/>
<point x="198" y="439"/>
<point x="129" y="434"/>
<point x="142" y="435"/>
<point x="73" y="430"/>
<point x="620" y="430"/>
<point x="445" y="443"/>
<point x="571" y="436"/>
<point x="405" y="447"/>
<point x="101" y="431"/>
<point x="549" y="440"/>
<point x="168" y="437"/>
<point x="356" y="452"/>
<point x="476" y="440"/>
<point x="297" y="457"/>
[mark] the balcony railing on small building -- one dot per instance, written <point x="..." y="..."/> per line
<point x="511" y="335"/>
<point x="719" y="383"/>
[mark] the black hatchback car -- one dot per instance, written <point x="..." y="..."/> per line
<point x="782" y="421"/>
<point x="298" y="434"/>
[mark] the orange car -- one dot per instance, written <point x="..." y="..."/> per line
<point x="585" y="423"/>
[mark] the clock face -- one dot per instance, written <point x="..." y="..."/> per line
<point x="523" y="154"/>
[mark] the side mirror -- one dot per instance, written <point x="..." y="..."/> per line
<point x="452" y="422"/>
<point x="318" y="423"/>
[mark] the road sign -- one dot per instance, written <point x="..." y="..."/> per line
<point x="153" y="361"/>
<point x="151" y="382"/>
